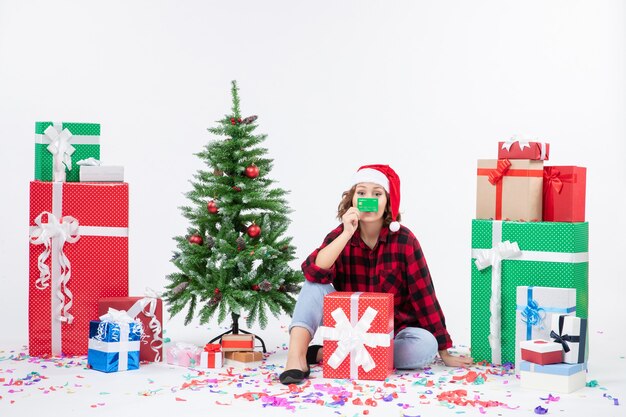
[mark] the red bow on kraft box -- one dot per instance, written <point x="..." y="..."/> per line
<point x="212" y="356"/>
<point x="564" y="192"/>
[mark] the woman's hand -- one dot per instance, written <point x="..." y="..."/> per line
<point x="350" y="220"/>
<point x="454" y="361"/>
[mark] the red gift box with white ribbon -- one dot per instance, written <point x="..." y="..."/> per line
<point x="149" y="310"/>
<point x="541" y="352"/>
<point x="358" y="335"/>
<point x="78" y="254"/>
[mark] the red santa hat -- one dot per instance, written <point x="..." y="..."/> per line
<point x="386" y="177"/>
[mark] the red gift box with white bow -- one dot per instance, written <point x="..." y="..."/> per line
<point x="78" y="254"/>
<point x="358" y="335"/>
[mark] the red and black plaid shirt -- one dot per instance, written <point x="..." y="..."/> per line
<point x="395" y="265"/>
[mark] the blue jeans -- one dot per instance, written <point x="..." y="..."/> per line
<point x="412" y="347"/>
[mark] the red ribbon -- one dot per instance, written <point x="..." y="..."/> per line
<point x="552" y="177"/>
<point x="212" y="347"/>
<point x="501" y="168"/>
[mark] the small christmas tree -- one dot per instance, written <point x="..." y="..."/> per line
<point x="234" y="258"/>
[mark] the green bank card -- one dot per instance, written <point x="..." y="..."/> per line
<point x="367" y="204"/>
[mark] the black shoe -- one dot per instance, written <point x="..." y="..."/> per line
<point x="294" y="376"/>
<point x="311" y="354"/>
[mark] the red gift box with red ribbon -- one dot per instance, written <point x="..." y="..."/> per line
<point x="509" y="189"/>
<point x="519" y="149"/>
<point x="149" y="310"/>
<point x="78" y="254"/>
<point x="358" y="335"/>
<point x="564" y="193"/>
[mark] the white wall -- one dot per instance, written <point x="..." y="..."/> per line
<point x="428" y="87"/>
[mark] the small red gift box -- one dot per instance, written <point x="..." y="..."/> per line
<point x="541" y="352"/>
<point x="237" y="342"/>
<point x="149" y="310"/>
<point x="519" y="149"/>
<point x="358" y="335"/>
<point x="564" y="191"/>
<point x="78" y="254"/>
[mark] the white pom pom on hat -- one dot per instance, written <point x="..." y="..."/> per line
<point x="386" y="177"/>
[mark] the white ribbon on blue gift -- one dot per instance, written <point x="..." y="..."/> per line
<point x="119" y="322"/>
<point x="493" y="257"/>
<point x="53" y="235"/>
<point x="531" y="313"/>
<point x="352" y="337"/>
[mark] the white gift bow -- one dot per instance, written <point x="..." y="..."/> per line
<point x="525" y="144"/>
<point x="493" y="257"/>
<point x="53" y="234"/>
<point x="61" y="149"/>
<point x="155" y="325"/>
<point x="91" y="161"/>
<point x="353" y="339"/>
<point x="123" y="320"/>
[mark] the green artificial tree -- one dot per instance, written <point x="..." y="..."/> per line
<point x="235" y="257"/>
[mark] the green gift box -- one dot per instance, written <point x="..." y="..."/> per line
<point x="58" y="146"/>
<point x="507" y="254"/>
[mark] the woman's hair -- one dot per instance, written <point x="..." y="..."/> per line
<point x="346" y="203"/>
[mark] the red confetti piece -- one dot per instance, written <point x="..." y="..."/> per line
<point x="180" y="399"/>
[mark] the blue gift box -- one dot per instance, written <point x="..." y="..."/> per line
<point x="114" y="346"/>
<point x="563" y="369"/>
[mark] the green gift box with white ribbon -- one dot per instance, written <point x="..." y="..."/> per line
<point x="58" y="146"/>
<point x="508" y="254"/>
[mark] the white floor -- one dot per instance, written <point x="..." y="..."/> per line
<point x="65" y="387"/>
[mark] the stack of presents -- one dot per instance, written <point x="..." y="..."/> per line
<point x="529" y="300"/>
<point x="78" y="302"/>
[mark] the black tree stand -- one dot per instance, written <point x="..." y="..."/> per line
<point x="236" y="330"/>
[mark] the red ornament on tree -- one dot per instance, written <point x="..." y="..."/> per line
<point x="195" y="239"/>
<point x="252" y="171"/>
<point x="212" y="207"/>
<point x="255" y="287"/>
<point x="216" y="291"/>
<point x="254" y="230"/>
<point x="236" y="188"/>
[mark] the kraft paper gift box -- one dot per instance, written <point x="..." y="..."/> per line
<point x="114" y="342"/>
<point x="541" y="352"/>
<point x="79" y="249"/>
<point x="516" y="149"/>
<point x="211" y="356"/>
<point x="509" y="189"/>
<point x="149" y="310"/>
<point x="564" y="193"/>
<point x="237" y="342"/>
<point x="183" y="354"/>
<point x="245" y="357"/>
<point x="561" y="377"/>
<point x="536" y="306"/>
<point x="571" y="334"/>
<point x="58" y="146"/>
<point x="358" y="335"/>
<point x="506" y="255"/>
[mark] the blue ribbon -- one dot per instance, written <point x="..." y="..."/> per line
<point x="533" y="314"/>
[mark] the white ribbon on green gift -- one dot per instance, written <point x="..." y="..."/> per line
<point x="58" y="140"/>
<point x="53" y="235"/>
<point x="493" y="257"/>
<point x="352" y="337"/>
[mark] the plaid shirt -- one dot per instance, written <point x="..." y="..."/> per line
<point x="395" y="265"/>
